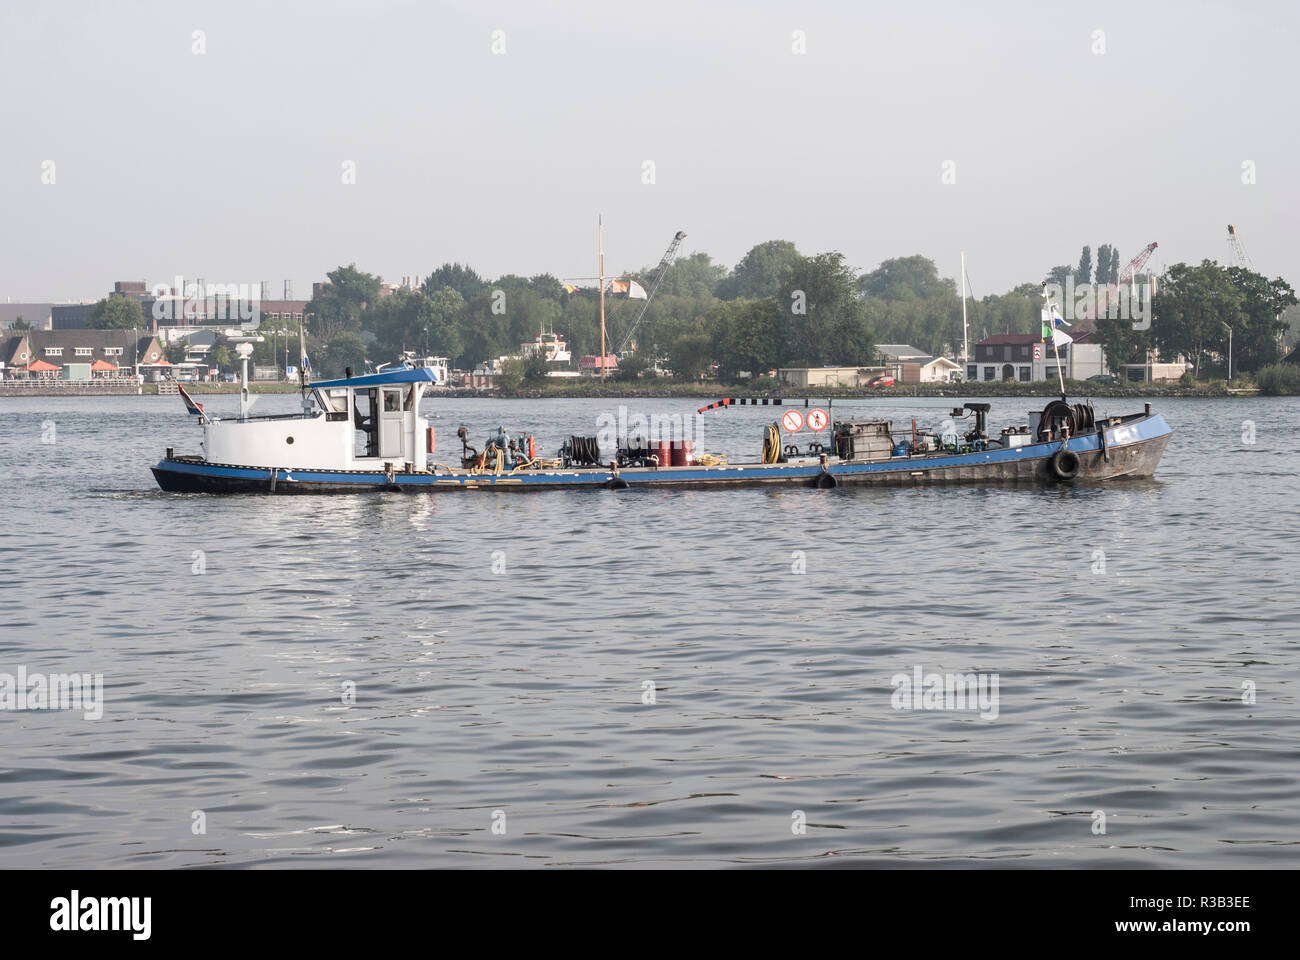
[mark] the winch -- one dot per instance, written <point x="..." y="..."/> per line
<point x="499" y="450"/>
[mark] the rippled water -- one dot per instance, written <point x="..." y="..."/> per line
<point x="500" y="647"/>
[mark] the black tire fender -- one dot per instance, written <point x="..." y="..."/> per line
<point x="1065" y="464"/>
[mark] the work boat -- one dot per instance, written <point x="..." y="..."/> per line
<point x="365" y="433"/>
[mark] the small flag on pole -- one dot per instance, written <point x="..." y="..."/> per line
<point x="196" y="409"/>
<point x="1060" y="338"/>
<point x="304" y="367"/>
<point x="635" y="291"/>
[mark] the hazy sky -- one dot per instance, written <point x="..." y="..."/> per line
<point x="228" y="165"/>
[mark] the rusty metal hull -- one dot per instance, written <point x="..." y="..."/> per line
<point x="1130" y="448"/>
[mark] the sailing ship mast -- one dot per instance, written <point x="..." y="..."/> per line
<point x="600" y="269"/>
<point x="965" y="336"/>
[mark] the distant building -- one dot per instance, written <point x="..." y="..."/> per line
<point x="36" y="315"/>
<point x="1154" y="370"/>
<point x="274" y="310"/>
<point x="109" y="353"/>
<point x="828" y="376"/>
<point x="925" y="370"/>
<point x="590" y="366"/>
<point x="76" y="316"/>
<point x="1024" y="358"/>
<point x="893" y="352"/>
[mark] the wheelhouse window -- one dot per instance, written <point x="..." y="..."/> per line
<point x="334" y="403"/>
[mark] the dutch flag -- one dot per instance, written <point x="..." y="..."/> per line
<point x="194" y="408"/>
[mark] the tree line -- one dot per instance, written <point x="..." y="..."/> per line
<point x="776" y="308"/>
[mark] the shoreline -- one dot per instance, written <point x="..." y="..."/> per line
<point x="697" y="391"/>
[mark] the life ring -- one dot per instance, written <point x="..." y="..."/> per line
<point x="1065" y="464"/>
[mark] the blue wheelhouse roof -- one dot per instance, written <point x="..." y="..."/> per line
<point x="400" y="375"/>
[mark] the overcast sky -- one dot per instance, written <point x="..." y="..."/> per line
<point x="229" y="164"/>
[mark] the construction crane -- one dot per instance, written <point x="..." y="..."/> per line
<point x="1137" y="263"/>
<point x="662" y="269"/>
<point x="1239" y="249"/>
<point x="1125" y="276"/>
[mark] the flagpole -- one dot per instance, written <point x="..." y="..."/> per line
<point x="600" y="268"/>
<point x="302" y="361"/>
<point x="1049" y="327"/>
<point x="1058" y="362"/>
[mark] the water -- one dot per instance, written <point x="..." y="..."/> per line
<point x="515" y="697"/>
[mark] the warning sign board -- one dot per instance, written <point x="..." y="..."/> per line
<point x="792" y="420"/>
<point x="817" y="420"/>
<point x="1038" y="351"/>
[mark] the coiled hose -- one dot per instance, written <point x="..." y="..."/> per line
<point x="584" y="450"/>
<point x="772" y="444"/>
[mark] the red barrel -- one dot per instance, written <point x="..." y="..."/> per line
<point x="681" y="453"/>
<point x="664" y="454"/>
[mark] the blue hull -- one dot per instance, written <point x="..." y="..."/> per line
<point x="1132" y="449"/>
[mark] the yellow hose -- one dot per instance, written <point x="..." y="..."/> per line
<point x="772" y="444"/>
<point x="537" y="462"/>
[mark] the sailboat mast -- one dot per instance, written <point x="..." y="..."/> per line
<point x="600" y="270"/>
<point x="965" y="335"/>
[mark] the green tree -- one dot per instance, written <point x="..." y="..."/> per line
<point x="345" y="349"/>
<point x="21" y="324"/>
<point x="1083" y="273"/>
<point x="339" y="304"/>
<point x="1191" y="309"/>
<point x="760" y="271"/>
<point x="1120" y="343"/>
<point x="535" y="367"/>
<point x="512" y="375"/>
<point x="424" y="321"/>
<point x="747" y="335"/>
<point x="460" y="278"/>
<point x="219" y="357"/>
<point x="1255" y="342"/>
<point x="689" y="355"/>
<point x="1058" y="275"/>
<point x="632" y="364"/>
<point x="695" y="276"/>
<point x="905" y="278"/>
<point x="825" y="322"/>
<point x="1103" y="265"/>
<point x="116" y="312"/>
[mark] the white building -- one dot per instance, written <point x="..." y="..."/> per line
<point x="1024" y="358"/>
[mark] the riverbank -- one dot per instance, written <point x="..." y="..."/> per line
<point x="658" y="388"/>
<point x="669" y="389"/>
